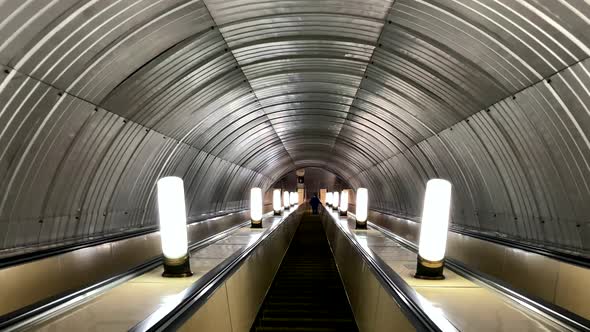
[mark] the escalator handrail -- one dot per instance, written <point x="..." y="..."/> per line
<point x="567" y="318"/>
<point x="173" y="315"/>
<point x="422" y="317"/>
<point x="30" y="312"/>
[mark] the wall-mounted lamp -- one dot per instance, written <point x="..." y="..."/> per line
<point x="362" y="208"/>
<point x="172" y="212"/>
<point x="276" y="202"/>
<point x="293" y="198"/>
<point x="286" y="200"/>
<point x="329" y="199"/>
<point x="256" y="207"/>
<point x="335" y="200"/>
<point x="343" y="208"/>
<point x="433" y="230"/>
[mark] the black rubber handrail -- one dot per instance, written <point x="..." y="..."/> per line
<point x="17" y="259"/>
<point x="404" y="295"/>
<point x="44" y="306"/>
<point x="173" y="315"/>
<point x="564" y="317"/>
<point x="556" y="254"/>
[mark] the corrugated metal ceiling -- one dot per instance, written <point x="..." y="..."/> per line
<point x="100" y="98"/>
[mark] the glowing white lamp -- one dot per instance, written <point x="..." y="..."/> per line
<point x="286" y="200"/>
<point x="343" y="208"/>
<point x="172" y="212"/>
<point x="256" y="207"/>
<point x="335" y="200"/>
<point x="276" y="202"/>
<point x="329" y="199"/>
<point x="362" y="208"/>
<point x="433" y="230"/>
<point x="293" y="198"/>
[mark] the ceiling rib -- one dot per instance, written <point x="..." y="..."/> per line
<point x="363" y="77"/>
<point x="150" y="128"/>
<point x="249" y="84"/>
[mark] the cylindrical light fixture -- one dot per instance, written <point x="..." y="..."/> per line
<point x="329" y="199"/>
<point x="286" y="200"/>
<point x="276" y="202"/>
<point x="172" y="212"/>
<point x="362" y="208"/>
<point x="293" y="198"/>
<point x="433" y="230"/>
<point x="335" y="200"/>
<point x="256" y="207"/>
<point x="343" y="208"/>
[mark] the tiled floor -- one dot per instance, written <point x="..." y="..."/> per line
<point x="466" y="305"/>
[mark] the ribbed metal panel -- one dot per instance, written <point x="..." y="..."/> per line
<point x="98" y="99"/>
<point x="519" y="168"/>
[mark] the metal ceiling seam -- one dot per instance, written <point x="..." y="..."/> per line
<point x="150" y="128"/>
<point x="491" y="105"/>
<point x="501" y="98"/>
<point x="364" y="76"/>
<point x="247" y="81"/>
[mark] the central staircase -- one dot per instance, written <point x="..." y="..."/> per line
<point x="307" y="293"/>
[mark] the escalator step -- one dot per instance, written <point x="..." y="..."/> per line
<point x="307" y="293"/>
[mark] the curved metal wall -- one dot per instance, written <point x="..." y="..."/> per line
<point x="100" y="98"/>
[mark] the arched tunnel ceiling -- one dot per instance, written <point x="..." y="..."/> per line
<point x="100" y="98"/>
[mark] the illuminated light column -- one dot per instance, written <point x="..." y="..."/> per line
<point x="343" y="208"/>
<point x="335" y="200"/>
<point x="172" y="212"/>
<point x="276" y="202"/>
<point x="286" y="200"/>
<point x="256" y="207"/>
<point x="293" y="198"/>
<point x="433" y="230"/>
<point x="362" y="208"/>
<point x="329" y="199"/>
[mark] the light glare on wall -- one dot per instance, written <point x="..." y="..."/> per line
<point x="433" y="230"/>
<point x="276" y="201"/>
<point x="343" y="208"/>
<point x="172" y="213"/>
<point x="256" y="207"/>
<point x="362" y="207"/>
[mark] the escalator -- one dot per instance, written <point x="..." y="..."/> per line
<point x="307" y="293"/>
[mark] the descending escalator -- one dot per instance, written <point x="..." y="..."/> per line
<point x="307" y="293"/>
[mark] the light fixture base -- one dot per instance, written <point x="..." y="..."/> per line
<point x="177" y="268"/>
<point x="343" y="213"/>
<point x="429" y="270"/>
<point x="361" y="224"/>
<point x="256" y="224"/>
<point x="277" y="213"/>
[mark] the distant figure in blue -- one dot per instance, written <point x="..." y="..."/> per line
<point x="314" y="202"/>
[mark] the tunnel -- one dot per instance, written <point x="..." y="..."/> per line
<point x="99" y="99"/>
